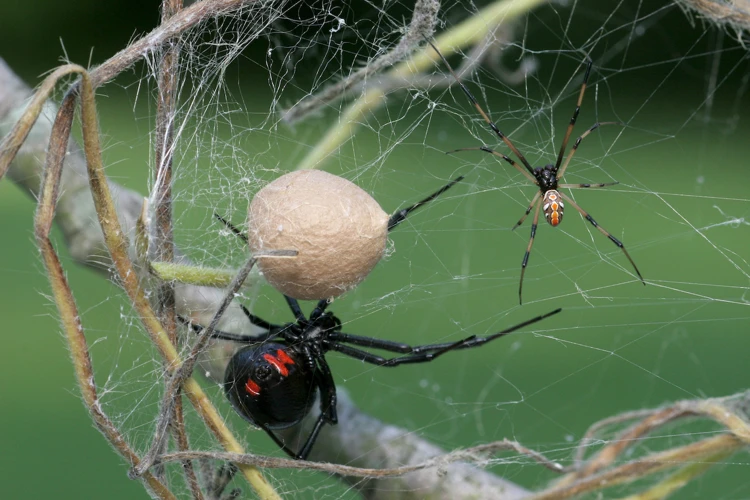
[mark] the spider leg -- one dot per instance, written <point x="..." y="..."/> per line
<point x="576" y="186"/>
<point x="374" y="359"/>
<point x="604" y="232"/>
<point x="426" y="353"/>
<point x="528" y="250"/>
<point x="484" y="115"/>
<point x="296" y="309"/>
<point x="328" y="414"/>
<point x="504" y="157"/>
<point x="399" y="216"/>
<point x="385" y="345"/>
<point x="255" y="320"/>
<point x="231" y="227"/>
<point x="528" y="210"/>
<point x="595" y="126"/>
<point x="279" y="442"/>
<point x="236" y="337"/>
<point x="320" y="308"/>
<point x="575" y="115"/>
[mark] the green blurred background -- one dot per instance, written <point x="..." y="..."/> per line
<point x="682" y="210"/>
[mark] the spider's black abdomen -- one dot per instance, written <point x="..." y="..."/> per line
<point x="270" y="385"/>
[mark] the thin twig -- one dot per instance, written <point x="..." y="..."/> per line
<point x="465" y="34"/>
<point x="357" y="439"/>
<point x="730" y="412"/>
<point x="638" y="469"/>
<point x="183" y="373"/>
<point x="679" y="479"/>
<point x="473" y="454"/>
<point x="177" y="24"/>
<point x="64" y="298"/>
<point x="163" y="239"/>
<point x="422" y="26"/>
<point x="590" y="436"/>
<point x="117" y="247"/>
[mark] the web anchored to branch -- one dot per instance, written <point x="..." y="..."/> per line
<point x="257" y="89"/>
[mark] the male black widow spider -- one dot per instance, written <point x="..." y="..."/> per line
<point x="548" y="198"/>
<point x="272" y="381"/>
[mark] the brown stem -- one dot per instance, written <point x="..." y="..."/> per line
<point x="64" y="298"/>
<point x="637" y="469"/>
<point x="163" y="237"/>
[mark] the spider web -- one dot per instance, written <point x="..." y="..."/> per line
<point x="681" y="208"/>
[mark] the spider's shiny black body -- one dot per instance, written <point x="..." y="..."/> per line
<point x="546" y="177"/>
<point x="272" y="382"/>
<point x="270" y="385"/>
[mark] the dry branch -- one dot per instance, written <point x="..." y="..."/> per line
<point x="385" y="445"/>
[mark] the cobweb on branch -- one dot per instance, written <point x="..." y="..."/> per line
<point x="681" y="208"/>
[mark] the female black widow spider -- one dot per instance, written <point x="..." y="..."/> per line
<point x="272" y="382"/>
<point x="548" y="198"/>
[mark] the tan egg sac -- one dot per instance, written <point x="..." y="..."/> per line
<point x="338" y="229"/>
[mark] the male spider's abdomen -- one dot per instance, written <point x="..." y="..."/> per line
<point x="553" y="207"/>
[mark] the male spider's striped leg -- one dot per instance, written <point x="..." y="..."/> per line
<point x="595" y="126"/>
<point x="481" y="112"/>
<point x="528" y="210"/>
<point x="399" y="216"/>
<point x="576" y="186"/>
<point x="504" y="157"/>
<point x="575" y="114"/>
<point x="528" y="251"/>
<point x="605" y="233"/>
<point x="231" y="227"/>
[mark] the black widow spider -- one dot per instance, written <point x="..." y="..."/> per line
<point x="546" y="178"/>
<point x="272" y="382"/>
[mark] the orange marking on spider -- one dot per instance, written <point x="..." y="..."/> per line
<point x="279" y="364"/>
<point x="283" y="357"/>
<point x="252" y="388"/>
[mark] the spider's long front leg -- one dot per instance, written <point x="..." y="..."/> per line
<point x="400" y="215"/>
<point x="575" y="115"/>
<point x="604" y="232"/>
<point x="485" y="116"/>
<point x="421" y="357"/>
<point x="584" y="185"/>
<point x="231" y="227"/>
<point x="234" y="337"/>
<point x="385" y="345"/>
<point x="499" y="155"/>
<point x="573" y="150"/>
<point x="528" y="250"/>
<point x="528" y="210"/>
<point x="428" y="352"/>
